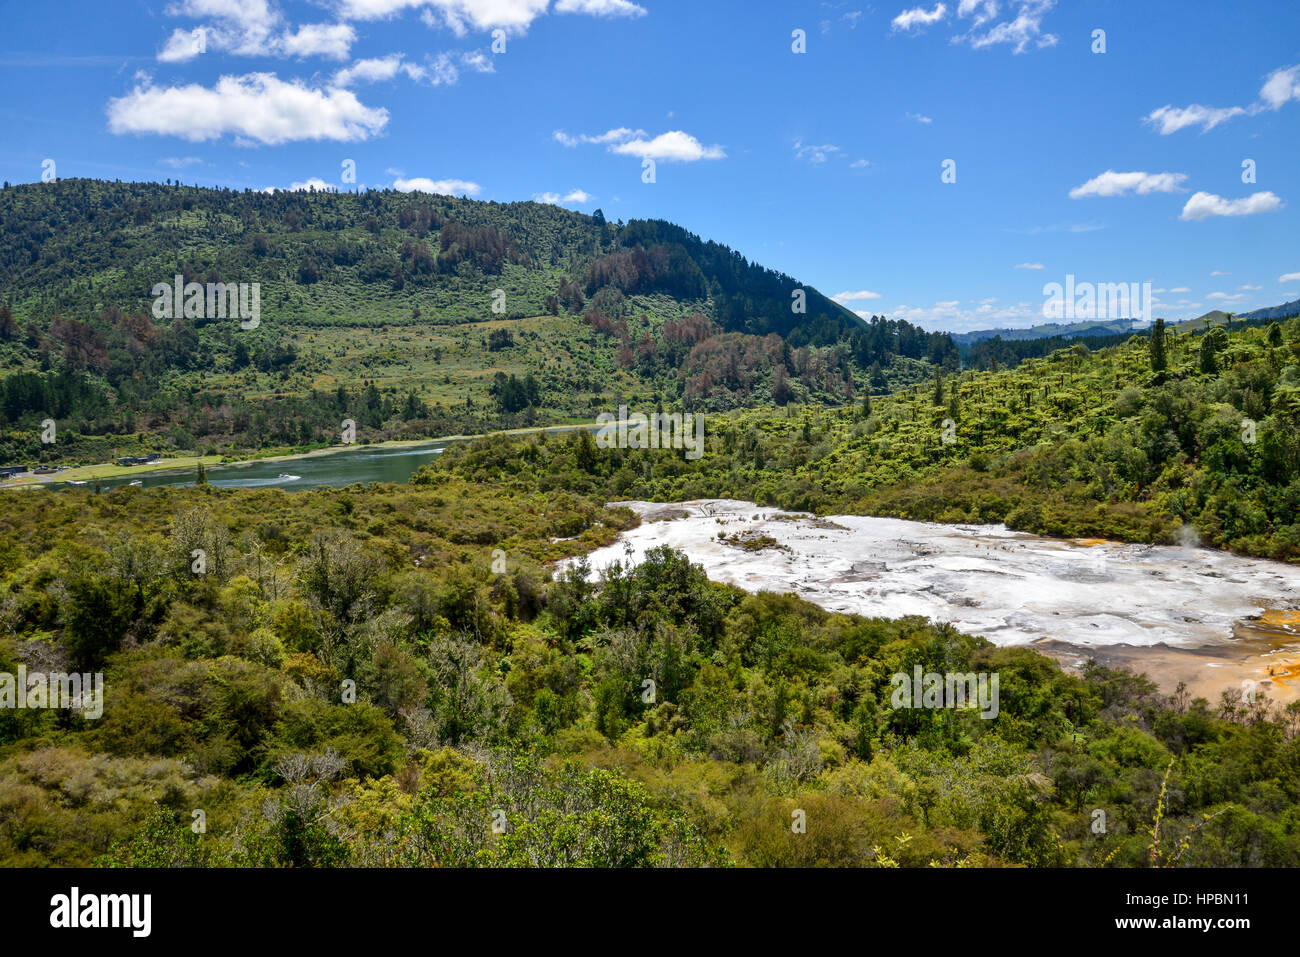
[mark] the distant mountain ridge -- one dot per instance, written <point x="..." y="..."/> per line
<point x="1047" y="330"/>
<point x="1075" y="330"/>
<point x="1284" y="311"/>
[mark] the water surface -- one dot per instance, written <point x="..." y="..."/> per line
<point x="332" y="470"/>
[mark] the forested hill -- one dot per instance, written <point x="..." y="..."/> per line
<point x="77" y="246"/>
<point x="415" y="315"/>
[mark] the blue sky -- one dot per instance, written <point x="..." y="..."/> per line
<point x="1122" y="166"/>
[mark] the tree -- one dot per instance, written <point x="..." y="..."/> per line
<point x="1274" y="335"/>
<point x="100" y="610"/>
<point x="1159" y="356"/>
<point x="781" y="393"/>
<point x="877" y="378"/>
<point x="584" y="449"/>
<point x="1211" y="344"/>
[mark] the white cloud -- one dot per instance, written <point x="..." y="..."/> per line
<point x="573" y="196"/>
<point x="610" y="136"/>
<point x="374" y="70"/>
<point x="244" y="27"/>
<point x="1169" y="119"/>
<point x="813" y="154"/>
<point x="1022" y="30"/>
<point x="1030" y="266"/>
<point x="444" y="187"/>
<point x="1219" y="272"/>
<point x="920" y="118"/>
<point x="987" y="315"/>
<point x="1250" y="287"/>
<point x="1281" y="86"/>
<point x="1181" y="289"/>
<point x="601" y="8"/>
<point x="671" y="147"/>
<point x="182" y="45"/>
<point x="982" y="10"/>
<point x="478" y="61"/>
<point x="250" y="28"/>
<point x="444" y="69"/>
<point x="332" y="40"/>
<point x="1203" y="205"/>
<point x="463" y="16"/>
<point x="315" y="183"/>
<point x="859" y="164"/>
<point x="257" y="108"/>
<point x="180" y="162"/>
<point x="846" y="297"/>
<point x="919" y="17"/>
<point x="1289" y="277"/>
<point x="1111" y="183"/>
<point x="1225" y="297"/>
<point x="460" y="16"/>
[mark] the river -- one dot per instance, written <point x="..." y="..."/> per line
<point x="330" y="468"/>
<point x="326" y="470"/>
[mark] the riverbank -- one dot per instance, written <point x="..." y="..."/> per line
<point x="103" y="470"/>
<point x="108" y="470"/>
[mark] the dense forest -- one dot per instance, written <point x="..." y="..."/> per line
<point x="390" y="676"/>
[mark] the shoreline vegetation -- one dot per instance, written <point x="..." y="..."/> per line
<point x="180" y="464"/>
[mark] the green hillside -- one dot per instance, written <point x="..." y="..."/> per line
<point x="1076" y="443"/>
<point x="413" y="315"/>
